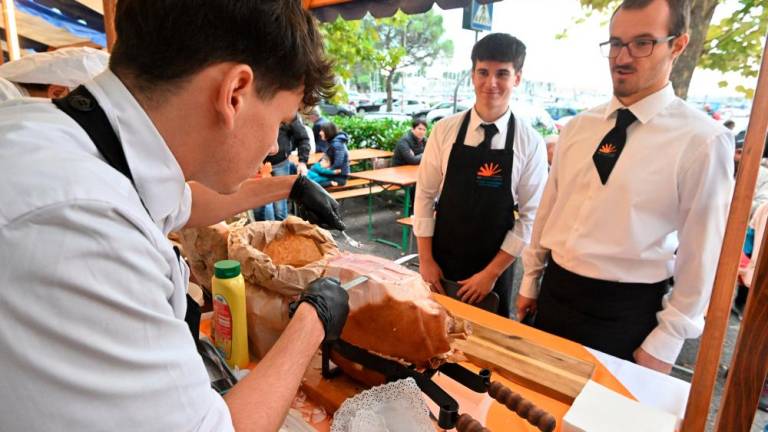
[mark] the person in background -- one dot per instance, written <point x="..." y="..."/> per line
<point x="292" y="136"/>
<point x="638" y="193"/>
<point x="479" y="164"/>
<point x="51" y="74"/>
<point x="317" y="122"/>
<point x="729" y="124"/>
<point x="409" y="149"/>
<point x="337" y="155"/>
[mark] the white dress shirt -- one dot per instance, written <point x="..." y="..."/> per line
<point x="529" y="172"/>
<point x="92" y="331"/>
<point x="669" y="191"/>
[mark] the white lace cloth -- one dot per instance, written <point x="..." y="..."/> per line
<point x="392" y="407"/>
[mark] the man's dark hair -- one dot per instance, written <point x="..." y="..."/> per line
<point x="679" y="13"/>
<point x="329" y="130"/>
<point x="500" y="47"/>
<point x="418" y="121"/>
<point x="160" y="43"/>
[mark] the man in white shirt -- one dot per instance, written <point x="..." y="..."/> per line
<point x="638" y="193"/>
<point x="478" y="165"/>
<point x="92" y="306"/>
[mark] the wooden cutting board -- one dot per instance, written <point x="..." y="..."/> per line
<point x="527" y="363"/>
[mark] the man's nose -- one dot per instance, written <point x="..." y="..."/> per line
<point x="623" y="57"/>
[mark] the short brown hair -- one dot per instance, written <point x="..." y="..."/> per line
<point x="679" y="13"/>
<point x="329" y="129"/>
<point x="160" y="43"/>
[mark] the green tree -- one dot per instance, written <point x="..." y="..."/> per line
<point x="404" y="41"/>
<point x="732" y="45"/>
<point x="351" y="45"/>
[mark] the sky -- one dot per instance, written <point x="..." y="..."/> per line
<point x="574" y="62"/>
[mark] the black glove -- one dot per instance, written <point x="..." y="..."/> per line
<point x="331" y="302"/>
<point x="315" y="204"/>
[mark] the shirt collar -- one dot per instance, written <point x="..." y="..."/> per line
<point x="501" y="123"/>
<point x="156" y="174"/>
<point x="646" y="108"/>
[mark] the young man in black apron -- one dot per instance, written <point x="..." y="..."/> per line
<point x="478" y="165"/>
<point x="638" y="193"/>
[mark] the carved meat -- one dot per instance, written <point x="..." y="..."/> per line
<point x="393" y="314"/>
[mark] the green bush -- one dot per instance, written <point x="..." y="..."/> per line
<point x="367" y="133"/>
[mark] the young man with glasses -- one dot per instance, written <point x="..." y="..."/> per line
<point x="638" y="194"/>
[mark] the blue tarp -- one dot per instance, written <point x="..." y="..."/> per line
<point x="70" y="15"/>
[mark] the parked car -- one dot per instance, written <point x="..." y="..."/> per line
<point x="387" y="115"/>
<point x="330" y="109"/>
<point x="557" y="111"/>
<point x="444" y="109"/>
<point x="372" y="106"/>
<point x="410" y="107"/>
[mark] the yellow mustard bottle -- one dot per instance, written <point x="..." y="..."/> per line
<point x="230" y="329"/>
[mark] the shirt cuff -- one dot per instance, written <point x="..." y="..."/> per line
<point x="423" y="227"/>
<point x="513" y="244"/>
<point x="529" y="287"/>
<point x="663" y="345"/>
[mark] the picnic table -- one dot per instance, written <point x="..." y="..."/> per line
<point x="390" y="179"/>
<point x="355" y="155"/>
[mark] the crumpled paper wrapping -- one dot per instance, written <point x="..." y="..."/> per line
<point x="203" y="247"/>
<point x="246" y="245"/>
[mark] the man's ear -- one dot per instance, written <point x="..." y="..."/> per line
<point x="234" y="90"/>
<point x="679" y="44"/>
<point x="518" y="78"/>
<point x="56" y="91"/>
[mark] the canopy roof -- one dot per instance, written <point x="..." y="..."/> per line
<point x="56" y="23"/>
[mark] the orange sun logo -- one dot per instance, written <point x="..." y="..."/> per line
<point x="607" y="149"/>
<point x="489" y="170"/>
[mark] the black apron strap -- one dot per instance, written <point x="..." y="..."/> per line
<point x="85" y="110"/>
<point x="463" y="129"/>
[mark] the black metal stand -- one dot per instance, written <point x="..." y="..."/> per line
<point x="392" y="371"/>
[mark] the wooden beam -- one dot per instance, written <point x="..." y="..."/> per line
<point x="708" y="358"/>
<point x="109" y="23"/>
<point x="11" y="35"/>
<point x="750" y="361"/>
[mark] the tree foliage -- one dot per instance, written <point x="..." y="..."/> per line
<point x="731" y="45"/>
<point x="385" y="45"/>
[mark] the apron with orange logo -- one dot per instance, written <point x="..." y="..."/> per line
<point x="475" y="211"/>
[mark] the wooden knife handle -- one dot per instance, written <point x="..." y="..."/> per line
<point x="523" y="407"/>
<point x="468" y="424"/>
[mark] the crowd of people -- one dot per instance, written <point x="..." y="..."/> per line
<point x="618" y="245"/>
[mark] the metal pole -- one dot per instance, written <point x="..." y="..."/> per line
<point x="11" y="36"/>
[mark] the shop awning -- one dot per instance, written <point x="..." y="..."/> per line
<point x="329" y="10"/>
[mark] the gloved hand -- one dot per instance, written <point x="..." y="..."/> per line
<point x="331" y="302"/>
<point x="315" y="204"/>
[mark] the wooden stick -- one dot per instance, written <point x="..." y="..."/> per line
<point x="750" y="361"/>
<point x="109" y="23"/>
<point x="11" y="35"/>
<point x="708" y="358"/>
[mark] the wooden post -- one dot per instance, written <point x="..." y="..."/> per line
<point x="109" y="23"/>
<point x="708" y="359"/>
<point x="750" y="361"/>
<point x="11" y="36"/>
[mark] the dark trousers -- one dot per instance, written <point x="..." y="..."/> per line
<point x="611" y="317"/>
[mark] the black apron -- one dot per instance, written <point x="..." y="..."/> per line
<point x="83" y="108"/>
<point x="475" y="211"/>
<point x="611" y="317"/>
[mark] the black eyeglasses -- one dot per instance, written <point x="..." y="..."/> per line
<point x="640" y="47"/>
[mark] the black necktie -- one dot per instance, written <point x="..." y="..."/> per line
<point x="490" y="131"/>
<point x="612" y="144"/>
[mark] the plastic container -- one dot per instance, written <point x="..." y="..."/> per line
<point x="230" y="328"/>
